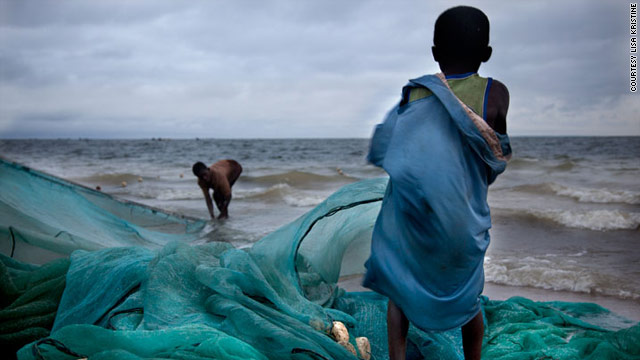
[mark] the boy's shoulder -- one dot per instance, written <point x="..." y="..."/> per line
<point x="497" y="106"/>
<point x="499" y="89"/>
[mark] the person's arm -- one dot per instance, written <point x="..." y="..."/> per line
<point x="497" y="107"/>
<point x="207" y="199"/>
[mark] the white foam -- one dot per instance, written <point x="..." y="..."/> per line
<point x="303" y="200"/>
<point x="284" y="192"/>
<point x="257" y="192"/>
<point x="275" y="193"/>
<point x="581" y="253"/>
<point x="600" y="220"/>
<point x="170" y="194"/>
<point x="602" y="195"/>
<point x="552" y="274"/>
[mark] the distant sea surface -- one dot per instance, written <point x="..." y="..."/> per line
<point x="566" y="213"/>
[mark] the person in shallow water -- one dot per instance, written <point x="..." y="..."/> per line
<point x="442" y="146"/>
<point x="218" y="177"/>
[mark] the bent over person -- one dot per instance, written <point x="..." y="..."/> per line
<point x="218" y="177"/>
<point x="442" y="146"/>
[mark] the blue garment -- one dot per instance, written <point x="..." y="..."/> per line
<point x="432" y="232"/>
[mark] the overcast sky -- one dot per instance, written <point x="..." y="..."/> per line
<point x="264" y="69"/>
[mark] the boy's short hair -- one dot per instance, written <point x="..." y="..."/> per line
<point x="461" y="31"/>
<point x="198" y="168"/>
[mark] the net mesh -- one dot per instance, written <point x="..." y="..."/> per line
<point x="162" y="297"/>
<point x="46" y="217"/>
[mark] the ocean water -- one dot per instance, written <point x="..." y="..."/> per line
<point x="566" y="213"/>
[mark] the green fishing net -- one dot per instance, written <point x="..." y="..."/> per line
<point x="173" y="299"/>
<point x="45" y="217"/>
<point x="29" y="297"/>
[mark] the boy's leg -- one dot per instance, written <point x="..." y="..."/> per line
<point x="472" y="333"/>
<point x="397" y="328"/>
<point x="221" y="203"/>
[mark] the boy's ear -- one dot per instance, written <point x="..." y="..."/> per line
<point x="486" y="54"/>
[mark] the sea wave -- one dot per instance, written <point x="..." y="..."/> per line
<point x="271" y="192"/>
<point x="178" y="194"/>
<point x="299" y="179"/>
<point x="523" y="162"/>
<point x="530" y="163"/>
<point x="301" y="200"/>
<point x="597" y="195"/>
<point x="282" y="192"/>
<point x="279" y="193"/>
<point x="600" y="220"/>
<point x="557" y="274"/>
<point x="108" y="179"/>
<point x="583" y="194"/>
<point x="564" y="166"/>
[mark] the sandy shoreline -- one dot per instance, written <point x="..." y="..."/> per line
<point x="627" y="308"/>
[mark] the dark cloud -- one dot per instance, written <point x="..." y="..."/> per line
<point x="60" y="118"/>
<point x="47" y="13"/>
<point x="13" y="69"/>
<point x="283" y="68"/>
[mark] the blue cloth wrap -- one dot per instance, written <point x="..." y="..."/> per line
<point x="432" y="232"/>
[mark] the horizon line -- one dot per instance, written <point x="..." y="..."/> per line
<point x="197" y="138"/>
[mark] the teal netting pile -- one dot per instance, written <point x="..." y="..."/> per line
<point x="45" y="217"/>
<point x="29" y="297"/>
<point x="276" y="300"/>
<point x="519" y="328"/>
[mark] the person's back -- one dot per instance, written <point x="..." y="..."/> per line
<point x="487" y="97"/>
<point x="219" y="177"/>
<point x="442" y="146"/>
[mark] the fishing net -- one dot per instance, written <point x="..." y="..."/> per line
<point x="29" y="297"/>
<point x="45" y="217"/>
<point x="278" y="300"/>
<point x="519" y="328"/>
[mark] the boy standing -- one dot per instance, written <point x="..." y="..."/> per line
<point x="442" y="146"/>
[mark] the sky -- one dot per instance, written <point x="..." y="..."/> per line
<point x="295" y="69"/>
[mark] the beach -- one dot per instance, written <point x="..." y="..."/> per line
<point x="625" y="308"/>
<point x="565" y="213"/>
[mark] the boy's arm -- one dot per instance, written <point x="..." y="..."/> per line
<point x="381" y="138"/>
<point x="207" y="199"/>
<point x="497" y="107"/>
